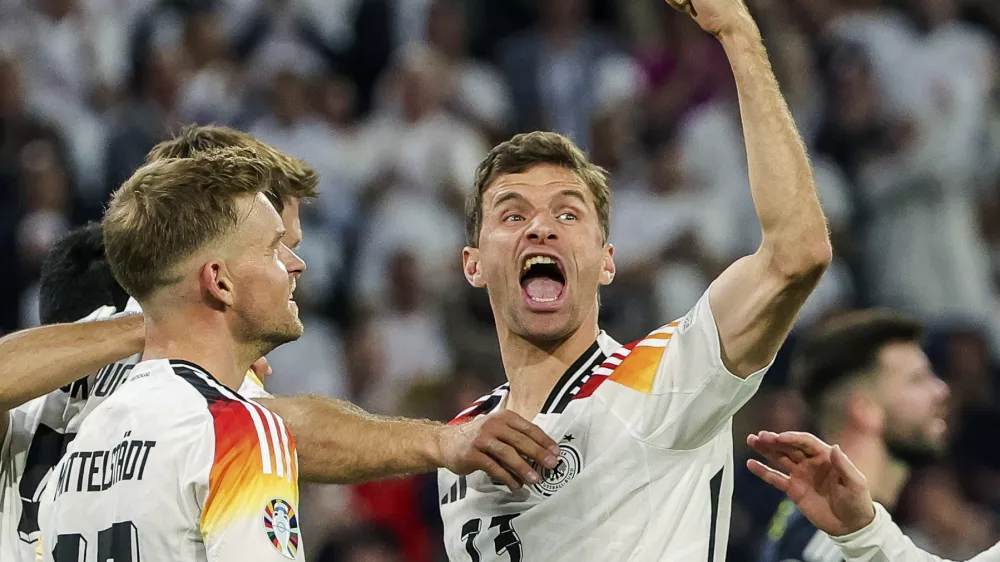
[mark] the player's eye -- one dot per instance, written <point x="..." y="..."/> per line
<point x="567" y="216"/>
<point x="513" y="217"/>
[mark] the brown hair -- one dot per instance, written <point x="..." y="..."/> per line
<point x="170" y="208"/>
<point x="525" y="151"/>
<point x="295" y="179"/>
<point x="846" y="346"/>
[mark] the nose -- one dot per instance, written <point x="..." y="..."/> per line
<point x="541" y="228"/>
<point x="944" y="391"/>
<point x="293" y="263"/>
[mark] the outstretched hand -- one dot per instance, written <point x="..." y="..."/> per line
<point x="498" y="444"/>
<point x="825" y="485"/>
<point x="716" y="16"/>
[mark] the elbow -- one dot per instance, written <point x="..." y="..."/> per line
<point x="804" y="260"/>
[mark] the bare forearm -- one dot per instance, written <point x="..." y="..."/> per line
<point x="340" y="443"/>
<point x="781" y="180"/>
<point x="37" y="361"/>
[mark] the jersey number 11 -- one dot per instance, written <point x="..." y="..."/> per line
<point x="506" y="542"/>
<point x="117" y="543"/>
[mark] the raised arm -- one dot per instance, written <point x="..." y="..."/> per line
<point x="37" y="361"/>
<point x="755" y="301"/>
<point x="341" y="443"/>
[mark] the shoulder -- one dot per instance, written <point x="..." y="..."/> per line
<point x="237" y="422"/>
<point x="482" y="406"/>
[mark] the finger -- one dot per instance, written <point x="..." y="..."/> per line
<point x="845" y="468"/>
<point x="261" y="368"/>
<point x="497" y="472"/>
<point x="806" y="442"/>
<point x="774" y="455"/>
<point x="681" y="5"/>
<point x="527" y="447"/>
<point x="507" y="457"/>
<point x="769" y="475"/>
<point x="794" y="454"/>
<point x="534" y="433"/>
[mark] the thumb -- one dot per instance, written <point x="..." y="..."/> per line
<point x="843" y="465"/>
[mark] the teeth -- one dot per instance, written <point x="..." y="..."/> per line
<point x="550" y="299"/>
<point x="537" y="260"/>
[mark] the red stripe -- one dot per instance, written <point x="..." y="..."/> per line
<point x="590" y="386"/>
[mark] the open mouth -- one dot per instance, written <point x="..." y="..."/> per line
<point x="542" y="279"/>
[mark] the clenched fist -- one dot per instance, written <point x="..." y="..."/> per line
<point x="718" y="17"/>
<point x="497" y="444"/>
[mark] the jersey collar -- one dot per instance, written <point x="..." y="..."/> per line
<point x="567" y="388"/>
<point x="579" y="373"/>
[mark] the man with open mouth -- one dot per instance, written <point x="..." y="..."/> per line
<point x="645" y="464"/>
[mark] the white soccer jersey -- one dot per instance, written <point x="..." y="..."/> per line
<point x="645" y="471"/>
<point x="174" y="466"/>
<point x="39" y="433"/>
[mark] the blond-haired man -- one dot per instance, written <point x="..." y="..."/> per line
<point x="175" y="465"/>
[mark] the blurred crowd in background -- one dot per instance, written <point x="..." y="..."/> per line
<point x="394" y="102"/>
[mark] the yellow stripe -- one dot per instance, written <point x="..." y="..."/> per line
<point x="253" y="377"/>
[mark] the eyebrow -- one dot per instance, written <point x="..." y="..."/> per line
<point x="509" y="196"/>
<point x="513" y="195"/>
<point x="573" y="193"/>
<point x="278" y="236"/>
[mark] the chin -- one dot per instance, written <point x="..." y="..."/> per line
<point x="285" y="334"/>
<point x="545" y="330"/>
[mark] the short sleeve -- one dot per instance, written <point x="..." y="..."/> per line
<point x="249" y="510"/>
<point x="689" y="395"/>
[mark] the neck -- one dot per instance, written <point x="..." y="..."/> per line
<point x="200" y="339"/>
<point x="533" y="369"/>
<point x="886" y="475"/>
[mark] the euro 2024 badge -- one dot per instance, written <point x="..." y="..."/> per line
<point x="282" y="527"/>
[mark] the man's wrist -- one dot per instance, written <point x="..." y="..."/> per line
<point x="430" y="440"/>
<point x="867" y="529"/>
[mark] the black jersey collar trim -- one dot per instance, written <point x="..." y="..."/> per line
<point x="562" y="393"/>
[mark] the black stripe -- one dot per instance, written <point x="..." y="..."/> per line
<point x="194" y="377"/>
<point x="196" y="367"/>
<point x="715" y="490"/>
<point x="578" y="383"/>
<point x="463" y="487"/>
<point x="567" y="377"/>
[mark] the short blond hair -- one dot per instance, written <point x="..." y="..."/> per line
<point x="171" y="208"/>
<point x="525" y="151"/>
<point x="296" y="179"/>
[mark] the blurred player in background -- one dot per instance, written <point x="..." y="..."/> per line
<point x="834" y="495"/>
<point x="198" y="245"/>
<point x="37" y="362"/>
<point x="76" y="279"/>
<point x="645" y="469"/>
<point x="873" y="392"/>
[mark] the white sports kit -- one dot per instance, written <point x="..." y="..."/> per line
<point x="38" y="435"/>
<point x="646" y="465"/>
